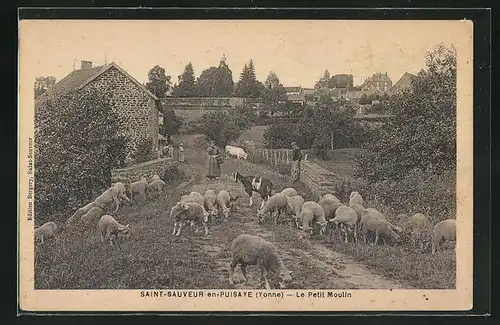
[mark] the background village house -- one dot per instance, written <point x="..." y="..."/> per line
<point x="135" y="105"/>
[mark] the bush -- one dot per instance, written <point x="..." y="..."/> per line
<point x="77" y="143"/>
<point x="143" y="152"/>
<point x="280" y="135"/>
<point x="220" y="127"/>
<point x="173" y="174"/>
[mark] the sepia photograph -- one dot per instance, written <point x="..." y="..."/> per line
<point x="272" y="165"/>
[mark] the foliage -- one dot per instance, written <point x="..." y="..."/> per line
<point x="77" y="143"/>
<point x="248" y="86"/>
<point x="172" y="124"/>
<point x="216" y="81"/>
<point x="341" y="81"/>
<point x="280" y="135"/>
<point x="187" y="85"/>
<point x="173" y="174"/>
<point x="143" y="152"/>
<point x="220" y="126"/>
<point x="159" y="83"/>
<point x="324" y="81"/>
<point x="244" y="116"/>
<point x="422" y="134"/>
<point x="273" y="95"/>
<point x="42" y="84"/>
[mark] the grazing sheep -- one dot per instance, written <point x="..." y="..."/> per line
<point x="209" y="202"/>
<point x="233" y="198"/>
<point x="311" y="213"/>
<point x="372" y="223"/>
<point x="75" y="218"/>
<point x="347" y="218"/>
<point x="375" y="212"/>
<point x="120" y="187"/>
<point x="156" y="186"/>
<point x="295" y="206"/>
<point x="445" y="230"/>
<point x="188" y="211"/>
<point x="330" y="204"/>
<point x="402" y="218"/>
<point x="139" y="188"/>
<point x="91" y="216"/>
<point x="359" y="210"/>
<point x="355" y="198"/>
<point x="46" y="231"/>
<point x="418" y="227"/>
<point x="276" y="203"/>
<point x="222" y="202"/>
<point x="196" y="197"/>
<point x="253" y="250"/>
<point x="290" y="191"/>
<point x="109" y="228"/>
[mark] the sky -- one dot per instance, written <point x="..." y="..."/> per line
<point x="297" y="51"/>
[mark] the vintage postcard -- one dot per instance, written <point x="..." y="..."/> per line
<point x="245" y="165"/>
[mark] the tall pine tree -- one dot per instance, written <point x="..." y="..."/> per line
<point x="187" y="85"/>
<point x="248" y="86"/>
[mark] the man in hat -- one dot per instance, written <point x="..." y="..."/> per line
<point x="296" y="158"/>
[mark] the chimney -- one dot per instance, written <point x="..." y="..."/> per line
<point x="86" y="65"/>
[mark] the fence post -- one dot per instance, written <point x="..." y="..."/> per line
<point x="287" y="160"/>
<point x="305" y="157"/>
<point x="267" y="154"/>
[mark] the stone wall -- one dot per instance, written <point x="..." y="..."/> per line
<point x="135" y="108"/>
<point x="146" y="169"/>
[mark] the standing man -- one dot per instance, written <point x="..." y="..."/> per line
<point x="296" y="158"/>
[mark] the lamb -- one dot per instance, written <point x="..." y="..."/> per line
<point x="290" y="191"/>
<point x="46" y="231"/>
<point x="372" y="222"/>
<point x="80" y="212"/>
<point x="445" y="230"/>
<point x="91" y="216"/>
<point x="276" y="203"/>
<point x="156" y="186"/>
<point x="330" y="204"/>
<point x="347" y="218"/>
<point x="355" y="198"/>
<point x="253" y="250"/>
<point x="261" y="185"/>
<point x="310" y="213"/>
<point x="109" y="228"/>
<point x="188" y="211"/>
<point x="209" y="202"/>
<point x="295" y="206"/>
<point x="222" y="202"/>
<point x="140" y="188"/>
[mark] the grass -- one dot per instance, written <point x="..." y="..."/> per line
<point x="152" y="258"/>
<point x="255" y="134"/>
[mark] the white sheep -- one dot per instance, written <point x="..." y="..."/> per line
<point x="276" y="203"/>
<point x="330" y="204"/>
<point x="419" y="228"/>
<point x="75" y="218"/>
<point x="445" y="230"/>
<point x="371" y="222"/>
<point x="139" y="188"/>
<point x="355" y="198"/>
<point x="109" y="229"/>
<point x="156" y="186"/>
<point x="196" y="197"/>
<point x="46" y="231"/>
<point x="347" y="218"/>
<point x="359" y="210"/>
<point x="295" y="206"/>
<point x="120" y="187"/>
<point x="93" y="215"/>
<point x="209" y="202"/>
<point x="188" y="211"/>
<point x="222" y="202"/>
<point x="254" y="250"/>
<point x="290" y="191"/>
<point x="310" y="214"/>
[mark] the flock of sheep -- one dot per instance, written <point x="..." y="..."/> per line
<point x="329" y="213"/>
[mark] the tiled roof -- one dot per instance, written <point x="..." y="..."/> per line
<point x="404" y="81"/>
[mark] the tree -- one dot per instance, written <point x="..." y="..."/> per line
<point x="77" y="143"/>
<point x="248" y="86"/>
<point x="324" y="81"/>
<point x="274" y="95"/>
<point x="244" y="116"/>
<point x="42" y="84"/>
<point x="220" y="127"/>
<point x="171" y="124"/>
<point x="216" y="81"/>
<point x="186" y="86"/>
<point x="159" y="83"/>
<point x="421" y="136"/>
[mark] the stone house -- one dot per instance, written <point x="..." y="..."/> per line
<point x="403" y="82"/>
<point x="133" y="103"/>
<point x="379" y="82"/>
